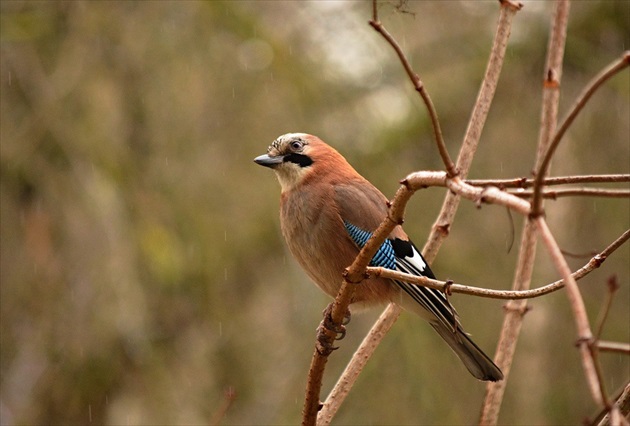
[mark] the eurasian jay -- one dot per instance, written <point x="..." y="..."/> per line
<point x="328" y="212"/>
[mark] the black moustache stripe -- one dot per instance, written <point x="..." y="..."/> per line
<point x="299" y="159"/>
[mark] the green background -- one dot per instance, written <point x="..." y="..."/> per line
<point x="142" y="268"/>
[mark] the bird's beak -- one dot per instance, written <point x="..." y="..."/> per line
<point x="267" y="161"/>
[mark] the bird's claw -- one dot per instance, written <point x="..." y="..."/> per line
<point x="325" y="342"/>
<point x="330" y="325"/>
<point x="346" y="318"/>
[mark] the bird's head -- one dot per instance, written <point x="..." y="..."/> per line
<point x="296" y="156"/>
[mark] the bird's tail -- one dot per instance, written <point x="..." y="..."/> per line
<point x="474" y="359"/>
<point x="431" y="305"/>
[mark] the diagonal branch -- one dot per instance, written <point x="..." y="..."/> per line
<point x="590" y="89"/>
<point x="585" y="335"/>
<point x="420" y="88"/>
<point x="477" y="120"/>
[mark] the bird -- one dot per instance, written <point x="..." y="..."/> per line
<point x="328" y="211"/>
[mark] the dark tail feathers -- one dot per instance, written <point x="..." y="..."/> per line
<point x="474" y="359"/>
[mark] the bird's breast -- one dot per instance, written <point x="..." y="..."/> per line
<point x="317" y="238"/>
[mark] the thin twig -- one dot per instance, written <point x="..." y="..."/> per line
<point x="420" y="88"/>
<point x="606" y="346"/>
<point x="594" y="346"/>
<point x="590" y="89"/>
<point x="612" y="286"/>
<point x="572" y="192"/>
<point x="548" y="181"/>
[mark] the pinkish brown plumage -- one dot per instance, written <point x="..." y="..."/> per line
<point x="327" y="212"/>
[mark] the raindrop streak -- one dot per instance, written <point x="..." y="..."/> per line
<point x="225" y="235"/>
<point x="90" y="412"/>
<point x="225" y="273"/>
<point x="220" y="329"/>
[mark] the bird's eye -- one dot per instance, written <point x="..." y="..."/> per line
<point x="296" y="145"/>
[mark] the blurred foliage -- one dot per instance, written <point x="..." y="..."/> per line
<point x="142" y="270"/>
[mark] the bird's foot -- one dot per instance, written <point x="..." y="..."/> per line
<point x="325" y="342"/>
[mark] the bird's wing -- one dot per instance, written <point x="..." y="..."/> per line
<point x="360" y="203"/>
<point x="362" y="208"/>
<point x="410" y="261"/>
<point x="402" y="255"/>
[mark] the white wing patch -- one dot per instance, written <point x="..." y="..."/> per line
<point x="433" y="301"/>
<point x="416" y="260"/>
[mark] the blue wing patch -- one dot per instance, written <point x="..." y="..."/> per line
<point x="384" y="257"/>
<point x="410" y="261"/>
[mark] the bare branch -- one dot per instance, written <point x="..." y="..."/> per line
<point x="558" y="180"/>
<point x="606" y="346"/>
<point x="513" y="321"/>
<point x="585" y="336"/>
<point x="613" y="286"/>
<point x="552" y="78"/>
<point x="590" y="89"/>
<point x="622" y="404"/>
<point x="490" y="194"/>
<point x="488" y="86"/>
<point x="419" y="86"/>
<point x="441" y="227"/>
<point x="572" y="192"/>
<point x="355" y="366"/>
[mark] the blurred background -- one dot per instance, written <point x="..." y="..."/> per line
<point x="143" y="272"/>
